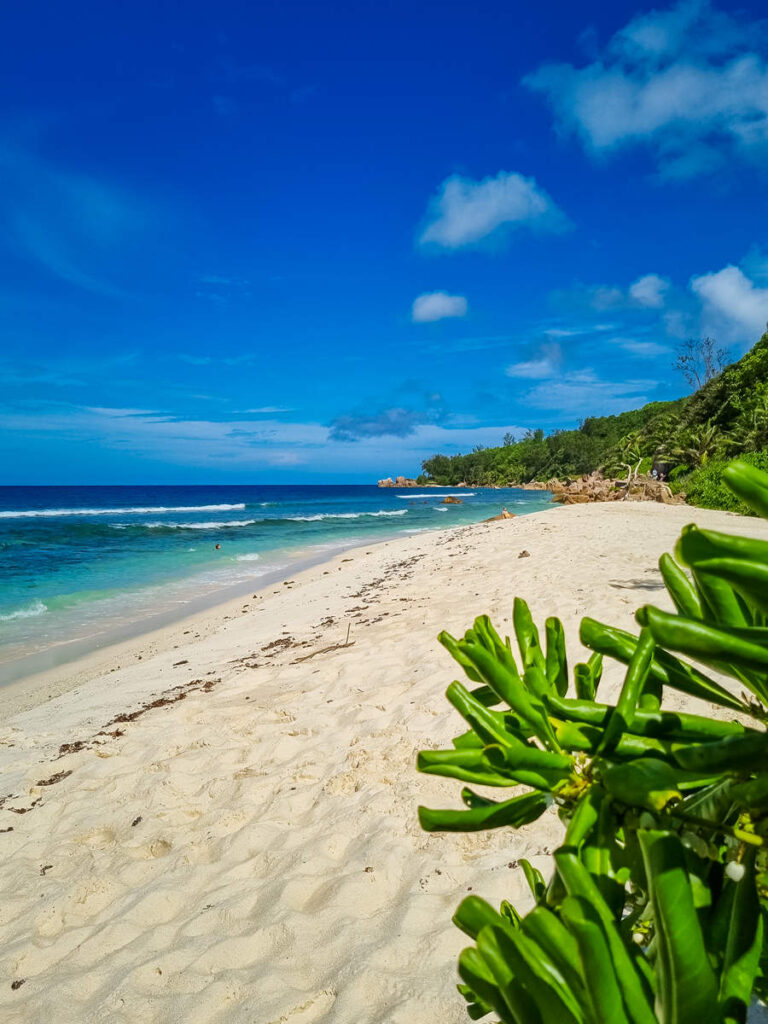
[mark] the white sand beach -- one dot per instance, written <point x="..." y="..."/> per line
<point x="217" y="822"/>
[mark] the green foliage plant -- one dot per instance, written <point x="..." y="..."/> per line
<point x="706" y="487"/>
<point x="726" y="418"/>
<point x="655" y="909"/>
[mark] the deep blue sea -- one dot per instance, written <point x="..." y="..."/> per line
<point x="76" y="562"/>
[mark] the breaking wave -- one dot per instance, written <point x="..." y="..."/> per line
<point x="40" y="513"/>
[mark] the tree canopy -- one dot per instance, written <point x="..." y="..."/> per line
<point x="724" y="418"/>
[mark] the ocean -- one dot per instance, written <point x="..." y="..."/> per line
<point x="83" y="566"/>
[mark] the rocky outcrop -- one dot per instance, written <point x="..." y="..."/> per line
<point x="596" y="487"/>
<point x="534" y="485"/>
<point x="502" y="515"/>
<point x="399" y="481"/>
<point x="450" y="500"/>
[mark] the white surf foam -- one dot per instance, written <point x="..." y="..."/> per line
<point x="346" y="515"/>
<point x="155" y="510"/>
<point x="211" y="525"/>
<point x="38" y="608"/>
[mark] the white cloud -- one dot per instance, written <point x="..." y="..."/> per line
<point x="269" y="409"/>
<point x="464" y="212"/>
<point x="437" y="306"/>
<point x="684" y="80"/>
<point x="545" y="365"/>
<point x="649" y="291"/>
<point x="733" y="302"/>
<point x="642" y="349"/>
<point x="584" y="392"/>
<point x="232" y="446"/>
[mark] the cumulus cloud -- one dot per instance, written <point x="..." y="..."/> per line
<point x="649" y="291"/>
<point x="733" y="301"/>
<point x="464" y="212"/>
<point x="437" y="306"/>
<point x="683" y="80"/>
<point x="546" y="364"/>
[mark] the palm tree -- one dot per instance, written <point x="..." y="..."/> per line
<point x="699" y="444"/>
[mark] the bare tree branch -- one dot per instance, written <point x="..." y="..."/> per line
<point x="699" y="360"/>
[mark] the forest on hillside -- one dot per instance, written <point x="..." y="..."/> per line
<point x="693" y="437"/>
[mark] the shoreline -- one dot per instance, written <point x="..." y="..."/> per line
<point x="56" y="636"/>
<point x="67" y="655"/>
<point x="218" y="822"/>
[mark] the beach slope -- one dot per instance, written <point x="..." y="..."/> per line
<point x="217" y="822"/>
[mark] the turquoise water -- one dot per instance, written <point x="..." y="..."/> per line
<point x="78" y="561"/>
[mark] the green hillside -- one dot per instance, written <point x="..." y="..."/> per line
<point x="694" y="436"/>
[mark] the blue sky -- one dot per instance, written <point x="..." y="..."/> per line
<point x="284" y="241"/>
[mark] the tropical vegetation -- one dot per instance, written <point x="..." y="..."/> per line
<point x="723" y="419"/>
<point x="656" y="905"/>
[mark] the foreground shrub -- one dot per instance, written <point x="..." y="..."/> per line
<point x="654" y="910"/>
<point x="706" y="488"/>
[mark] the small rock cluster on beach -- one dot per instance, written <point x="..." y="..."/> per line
<point x="596" y="487"/>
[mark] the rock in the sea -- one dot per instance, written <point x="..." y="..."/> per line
<point x="399" y="481"/>
<point x="450" y="500"/>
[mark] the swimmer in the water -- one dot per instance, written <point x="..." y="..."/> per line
<point x="218" y="547"/>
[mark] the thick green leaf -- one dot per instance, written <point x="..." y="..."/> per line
<point x="734" y="754"/>
<point x="468" y="765"/>
<point x="633" y="976"/>
<point x="519" y="811"/>
<point x="510" y="688"/>
<point x="680" y="588"/>
<point x="646" y="782"/>
<point x="744" y="945"/>
<point x="525" y="755"/>
<point x="528" y="637"/>
<point x="722" y="606"/>
<point x="585" y="816"/>
<point x="480" y="980"/>
<point x="603" y="990"/>
<point x="531" y="967"/>
<point x="711" y="646"/>
<point x="665" y="667"/>
<point x="452" y="646"/>
<point x="753" y="794"/>
<point x="534" y="878"/>
<point x="491" y="726"/>
<point x="749" y="484"/>
<point x="474" y="913"/>
<point x="667" y="724"/>
<point x="750" y="579"/>
<point x="687" y="985"/>
<point x="587" y="738"/>
<point x="557" y="661"/>
<point x="696" y="545"/>
<point x="546" y="929"/>
<point x="621" y="718"/>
